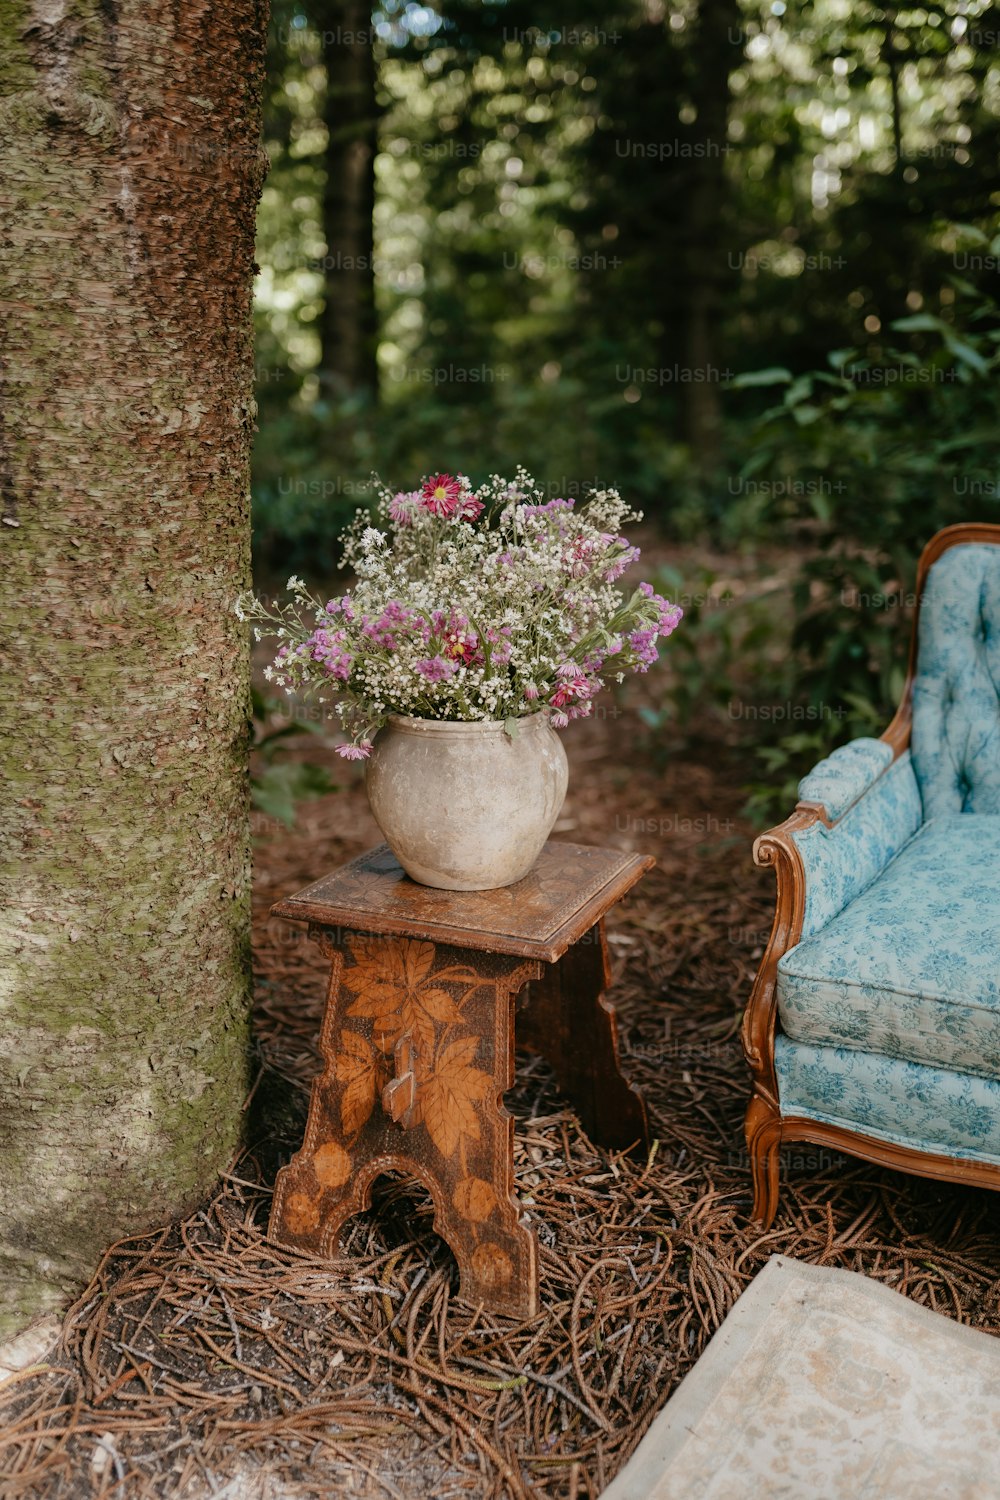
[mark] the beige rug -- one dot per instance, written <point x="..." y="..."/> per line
<point x="824" y="1385"/>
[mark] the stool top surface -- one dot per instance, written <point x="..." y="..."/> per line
<point x="569" y="889"/>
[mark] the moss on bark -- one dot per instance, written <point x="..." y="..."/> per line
<point x="128" y="196"/>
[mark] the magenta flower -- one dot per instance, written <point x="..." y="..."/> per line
<point x="442" y="496"/>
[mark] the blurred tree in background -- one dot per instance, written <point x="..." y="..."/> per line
<point x="736" y="257"/>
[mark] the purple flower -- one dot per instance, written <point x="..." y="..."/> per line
<point x="394" y="621"/>
<point x="548" y="508"/>
<point x="436" y="668"/>
<point x="343" y="607"/>
<point x="327" y="647"/>
<point x="643" y="644"/>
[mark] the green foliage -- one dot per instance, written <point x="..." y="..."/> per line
<point x="860" y="465"/>
<point x="554" y="205"/>
<point x="280" y="784"/>
<point x="855" y="467"/>
<point x="723" y="635"/>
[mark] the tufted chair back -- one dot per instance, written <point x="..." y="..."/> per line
<point x="956" y="690"/>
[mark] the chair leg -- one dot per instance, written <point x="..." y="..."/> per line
<point x="763" y="1132"/>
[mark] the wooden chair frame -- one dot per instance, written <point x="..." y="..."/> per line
<point x="766" y="1128"/>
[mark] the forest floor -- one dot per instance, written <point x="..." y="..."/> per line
<point x="204" y="1361"/>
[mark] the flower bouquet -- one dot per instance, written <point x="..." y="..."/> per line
<point x="490" y="607"/>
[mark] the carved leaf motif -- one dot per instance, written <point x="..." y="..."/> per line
<point x="358" y="1069"/>
<point x="475" y="1199"/>
<point x="377" y="977"/>
<point x="439" y="1006"/>
<point x="450" y="1096"/>
<point x="391" y="982"/>
<point x="417" y="960"/>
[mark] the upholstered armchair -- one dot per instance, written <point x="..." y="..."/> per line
<point x="874" y="1022"/>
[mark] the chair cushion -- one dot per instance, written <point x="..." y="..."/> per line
<point x="912" y="1104"/>
<point x="956" y="691"/>
<point x="911" y="968"/>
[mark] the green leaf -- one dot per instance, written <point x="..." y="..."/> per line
<point x="920" y="323"/>
<point x="838" y="358"/>
<point x="971" y="233"/>
<point x="799" y="390"/>
<point x="777" y="375"/>
<point x="278" y="788"/>
<point x="511" y="728"/>
<point x="967" y="354"/>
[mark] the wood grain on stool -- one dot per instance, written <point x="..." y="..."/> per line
<point x="417" y="1044"/>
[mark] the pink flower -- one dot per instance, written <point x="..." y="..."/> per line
<point x="670" y="614"/>
<point x="442" y="496"/>
<point x="572" y="687"/>
<point x="355" y="752"/>
<point x="624" y="560"/>
<point x="402" y="507"/>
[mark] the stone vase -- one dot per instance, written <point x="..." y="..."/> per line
<point x="465" y="806"/>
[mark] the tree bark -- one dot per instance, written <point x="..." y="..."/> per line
<point x="130" y="169"/>
<point x="348" y="326"/>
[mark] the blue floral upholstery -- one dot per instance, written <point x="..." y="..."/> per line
<point x="907" y="1103"/>
<point x="844" y="776"/>
<point x="956" y="693"/>
<point x="889" y="1004"/>
<point x="841" y="861"/>
<point x="911" y="968"/>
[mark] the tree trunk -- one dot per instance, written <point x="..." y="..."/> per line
<point x="714" y="56"/>
<point x="130" y="170"/>
<point x="347" y="326"/>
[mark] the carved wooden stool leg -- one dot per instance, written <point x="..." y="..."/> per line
<point x="568" y="1020"/>
<point x="417" y="1045"/>
<point x="763" y="1133"/>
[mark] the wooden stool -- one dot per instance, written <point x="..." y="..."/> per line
<point x="417" y="1044"/>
